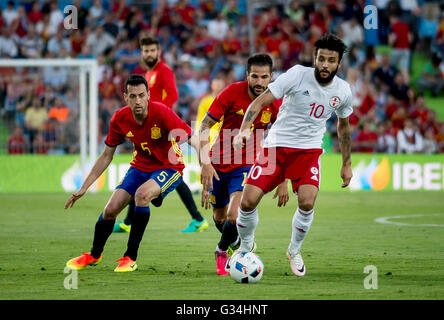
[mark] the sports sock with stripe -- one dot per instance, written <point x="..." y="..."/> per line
<point x="246" y="223"/>
<point x="300" y="225"/>
<point x="140" y="221"/>
<point x="102" y="231"/>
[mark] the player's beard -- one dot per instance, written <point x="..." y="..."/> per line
<point x="323" y="80"/>
<point x="152" y="63"/>
<point x="254" y="91"/>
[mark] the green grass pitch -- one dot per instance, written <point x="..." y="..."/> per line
<point x="38" y="236"/>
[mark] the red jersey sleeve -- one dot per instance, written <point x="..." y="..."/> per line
<point x="220" y="104"/>
<point x="170" y="93"/>
<point x="115" y="135"/>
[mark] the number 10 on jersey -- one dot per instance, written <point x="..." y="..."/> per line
<point x="316" y="111"/>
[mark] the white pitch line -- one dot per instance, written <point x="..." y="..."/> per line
<point x="386" y="220"/>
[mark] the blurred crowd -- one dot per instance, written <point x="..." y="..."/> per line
<point x="205" y="41"/>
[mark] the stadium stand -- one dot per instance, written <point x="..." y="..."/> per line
<point x="396" y="72"/>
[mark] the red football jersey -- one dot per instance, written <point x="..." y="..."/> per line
<point x="229" y="108"/>
<point x="162" y="84"/>
<point x="155" y="141"/>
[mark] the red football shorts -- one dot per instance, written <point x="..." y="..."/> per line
<point x="274" y="165"/>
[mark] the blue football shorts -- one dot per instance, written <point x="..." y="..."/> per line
<point x="228" y="183"/>
<point x="167" y="179"/>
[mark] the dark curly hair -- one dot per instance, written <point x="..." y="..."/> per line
<point x="330" y="42"/>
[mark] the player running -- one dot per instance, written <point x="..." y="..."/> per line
<point x="223" y="170"/>
<point x="156" y="169"/>
<point x="292" y="148"/>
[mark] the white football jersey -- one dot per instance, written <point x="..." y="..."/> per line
<point x="306" y="107"/>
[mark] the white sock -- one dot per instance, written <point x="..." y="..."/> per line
<point x="300" y="225"/>
<point x="246" y="223"/>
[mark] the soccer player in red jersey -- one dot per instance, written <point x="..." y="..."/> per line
<point x="156" y="169"/>
<point x="160" y="77"/>
<point x="162" y="86"/>
<point x="224" y="170"/>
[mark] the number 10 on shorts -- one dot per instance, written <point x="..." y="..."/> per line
<point x="255" y="172"/>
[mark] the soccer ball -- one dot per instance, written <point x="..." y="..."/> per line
<point x="246" y="267"/>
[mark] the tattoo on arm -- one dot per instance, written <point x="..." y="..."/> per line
<point x="204" y="139"/>
<point x="206" y="124"/>
<point x="251" y="115"/>
<point x="256" y="106"/>
<point x="345" y="141"/>
<point x="344" y="136"/>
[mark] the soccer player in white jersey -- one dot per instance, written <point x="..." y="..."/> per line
<point x="292" y="148"/>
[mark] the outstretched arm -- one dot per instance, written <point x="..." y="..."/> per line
<point x="204" y="139"/>
<point x="99" y="167"/>
<point x="207" y="170"/>
<point x="344" y="136"/>
<point x="251" y="114"/>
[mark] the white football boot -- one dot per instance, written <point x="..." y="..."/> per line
<point x="296" y="263"/>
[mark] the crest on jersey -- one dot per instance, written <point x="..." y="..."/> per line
<point x="155" y="133"/>
<point x="334" y="101"/>
<point x="266" y="116"/>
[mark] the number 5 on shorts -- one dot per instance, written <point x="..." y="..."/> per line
<point x="162" y="176"/>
